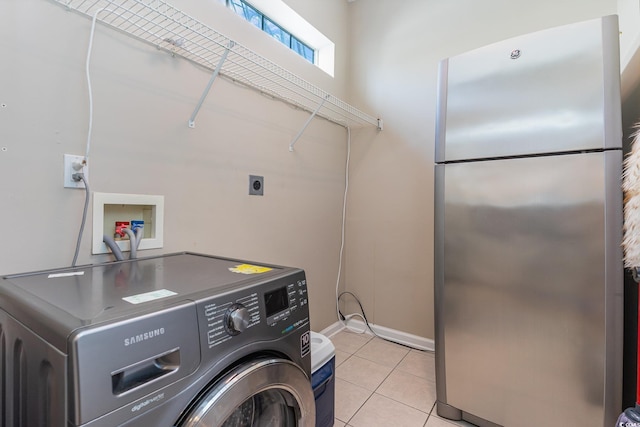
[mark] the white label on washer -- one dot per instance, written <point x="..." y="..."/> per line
<point x="69" y="274"/>
<point x="149" y="296"/>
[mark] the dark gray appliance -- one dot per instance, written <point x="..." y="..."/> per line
<point x="179" y="340"/>
<point x="528" y="226"/>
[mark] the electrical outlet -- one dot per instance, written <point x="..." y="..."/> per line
<point x="256" y="185"/>
<point x="73" y="164"/>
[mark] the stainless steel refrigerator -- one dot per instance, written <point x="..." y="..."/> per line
<point x="528" y="228"/>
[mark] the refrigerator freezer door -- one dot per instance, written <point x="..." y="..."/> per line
<point x="529" y="289"/>
<point x="545" y="92"/>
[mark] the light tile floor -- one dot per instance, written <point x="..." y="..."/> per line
<point x="379" y="383"/>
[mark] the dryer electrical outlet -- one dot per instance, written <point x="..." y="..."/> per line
<point x="256" y="185"/>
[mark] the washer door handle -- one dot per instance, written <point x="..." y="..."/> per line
<point x="142" y="372"/>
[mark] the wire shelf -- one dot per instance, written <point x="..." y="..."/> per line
<point x="160" y="24"/>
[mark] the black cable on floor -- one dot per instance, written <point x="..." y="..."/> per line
<point x="364" y="316"/>
<point x="366" y="321"/>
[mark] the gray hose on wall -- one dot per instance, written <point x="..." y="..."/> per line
<point x="138" y="231"/>
<point x="108" y="240"/>
<point x="133" y="240"/>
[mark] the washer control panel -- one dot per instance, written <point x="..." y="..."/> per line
<point x="230" y="318"/>
<point x="283" y="301"/>
<point x="274" y="308"/>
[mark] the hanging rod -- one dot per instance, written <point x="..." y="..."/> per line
<point x="162" y="25"/>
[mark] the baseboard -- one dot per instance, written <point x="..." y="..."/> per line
<point x="410" y="340"/>
<point x="332" y="329"/>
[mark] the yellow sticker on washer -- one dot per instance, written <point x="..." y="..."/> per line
<point x="249" y="269"/>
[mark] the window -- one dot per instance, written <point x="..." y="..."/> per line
<point x="266" y="24"/>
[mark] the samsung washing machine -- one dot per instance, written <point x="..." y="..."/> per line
<point x="182" y="340"/>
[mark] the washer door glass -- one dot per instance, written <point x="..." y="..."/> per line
<point x="260" y="393"/>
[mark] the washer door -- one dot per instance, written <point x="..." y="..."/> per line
<point x="260" y="393"/>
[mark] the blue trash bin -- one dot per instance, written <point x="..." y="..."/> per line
<point x="323" y="378"/>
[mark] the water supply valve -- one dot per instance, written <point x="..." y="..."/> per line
<point x="120" y="226"/>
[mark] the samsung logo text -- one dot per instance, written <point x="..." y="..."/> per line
<point x="135" y="339"/>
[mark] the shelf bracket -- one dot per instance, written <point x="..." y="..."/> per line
<point x="192" y="122"/>
<point x="297" y="137"/>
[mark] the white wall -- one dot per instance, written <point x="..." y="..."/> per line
<point x="396" y="47"/>
<point x="142" y="145"/>
<point x="386" y="62"/>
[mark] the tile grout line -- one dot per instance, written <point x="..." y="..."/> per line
<point x="394" y="368"/>
<point x="367" y="399"/>
<point x="428" y="414"/>
<point x="358" y="410"/>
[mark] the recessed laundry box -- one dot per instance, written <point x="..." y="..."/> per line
<point x="323" y="368"/>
